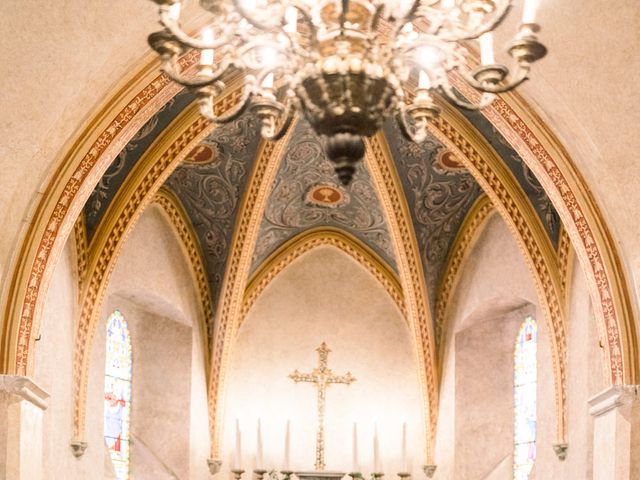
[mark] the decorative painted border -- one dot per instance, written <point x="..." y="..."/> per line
<point x="63" y="199"/>
<point x="455" y="132"/>
<point x="469" y="232"/>
<point x="381" y="165"/>
<point x="82" y="249"/>
<point x="136" y="193"/>
<point x="307" y="241"/>
<point x="565" y="262"/>
<point x="183" y="228"/>
<point x="247" y="227"/>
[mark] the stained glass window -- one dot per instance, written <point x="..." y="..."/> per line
<point x="117" y="393"/>
<point x="524" y="399"/>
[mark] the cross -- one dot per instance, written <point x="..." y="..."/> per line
<point x="322" y="376"/>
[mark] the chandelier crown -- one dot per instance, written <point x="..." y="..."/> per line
<point x="347" y="65"/>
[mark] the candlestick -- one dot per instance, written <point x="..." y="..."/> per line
<point x="376" y="450"/>
<point x="238" y="456"/>
<point x="486" y="49"/>
<point x="259" y="473"/>
<point x="287" y="440"/>
<point x="404" y="447"/>
<point x="237" y="473"/>
<point x="529" y="11"/>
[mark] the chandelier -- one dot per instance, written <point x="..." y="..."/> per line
<point x="346" y="65"/>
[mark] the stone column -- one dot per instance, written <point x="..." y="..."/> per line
<point x="616" y="432"/>
<point x="22" y="405"/>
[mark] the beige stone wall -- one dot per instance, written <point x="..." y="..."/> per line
<point x="493" y="283"/>
<point x="324" y="296"/>
<point x="152" y="286"/>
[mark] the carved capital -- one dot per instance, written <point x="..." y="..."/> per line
<point x="429" y="470"/>
<point x="560" y="450"/>
<point x="25" y="389"/>
<point x="78" y="447"/>
<point x="214" y="465"/>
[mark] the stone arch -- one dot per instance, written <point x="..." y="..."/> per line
<point x="307" y="241"/>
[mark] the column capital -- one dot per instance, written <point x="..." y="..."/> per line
<point x="24" y="388"/>
<point x="613" y="397"/>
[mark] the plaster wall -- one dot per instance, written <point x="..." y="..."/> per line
<point x="53" y="369"/>
<point x="324" y="296"/>
<point x="152" y="286"/>
<point x="493" y="282"/>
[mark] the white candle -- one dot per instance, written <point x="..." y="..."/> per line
<point x="267" y="83"/>
<point x="174" y="12"/>
<point x="356" y="464"/>
<point x="259" y="459"/>
<point x="291" y="19"/>
<point x="448" y="4"/>
<point x="486" y="49"/>
<point x="404" y="447"/>
<point x="376" y="450"/>
<point x="206" y="57"/>
<point x="529" y="11"/>
<point x="287" y="440"/>
<point x="238" y="457"/>
<point x="424" y="82"/>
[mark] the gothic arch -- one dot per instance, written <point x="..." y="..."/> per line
<point x="511" y="202"/>
<point x="469" y="232"/>
<point x="307" y="241"/>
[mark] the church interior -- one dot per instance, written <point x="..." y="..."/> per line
<point x="191" y="289"/>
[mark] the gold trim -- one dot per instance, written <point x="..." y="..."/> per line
<point x="181" y="224"/>
<point x="469" y="232"/>
<point x="309" y="240"/>
<point x="380" y="162"/>
<point x="455" y="132"/>
<point x="235" y="278"/>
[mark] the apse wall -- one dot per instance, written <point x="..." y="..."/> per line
<point x="152" y="286"/>
<point x="494" y="295"/>
<point x="324" y="296"/>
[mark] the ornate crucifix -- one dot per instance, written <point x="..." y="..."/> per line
<point x="322" y="376"/>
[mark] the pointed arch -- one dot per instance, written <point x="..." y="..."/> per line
<point x="314" y="238"/>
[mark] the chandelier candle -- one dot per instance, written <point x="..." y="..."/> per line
<point x="348" y="66"/>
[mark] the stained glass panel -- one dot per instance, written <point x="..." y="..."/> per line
<point x="117" y="393"/>
<point x="524" y="399"/>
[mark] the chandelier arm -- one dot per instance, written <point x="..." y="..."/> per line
<point x="485" y="100"/>
<point x="411" y="133"/>
<point x="188" y="40"/>
<point x="288" y="118"/>
<point x="265" y="27"/>
<point x="515" y="81"/>
<point x="207" y="107"/>
<point x="484" y="28"/>
<point x="313" y="30"/>
<point x="169" y="68"/>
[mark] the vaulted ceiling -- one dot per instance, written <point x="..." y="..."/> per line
<point x="211" y="183"/>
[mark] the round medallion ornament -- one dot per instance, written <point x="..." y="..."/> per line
<point x="201" y="155"/>
<point x="326" y="195"/>
<point x="448" y="161"/>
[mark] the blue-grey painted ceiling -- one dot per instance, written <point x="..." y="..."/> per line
<point x="439" y="192"/>
<point x="113" y="178"/>
<point x="289" y="212"/>
<point x="306" y="194"/>
<point x="211" y="187"/>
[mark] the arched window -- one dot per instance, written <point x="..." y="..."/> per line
<point x="117" y="393"/>
<point x="524" y="399"/>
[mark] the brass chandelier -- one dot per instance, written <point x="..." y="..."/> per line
<point x="346" y="65"/>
